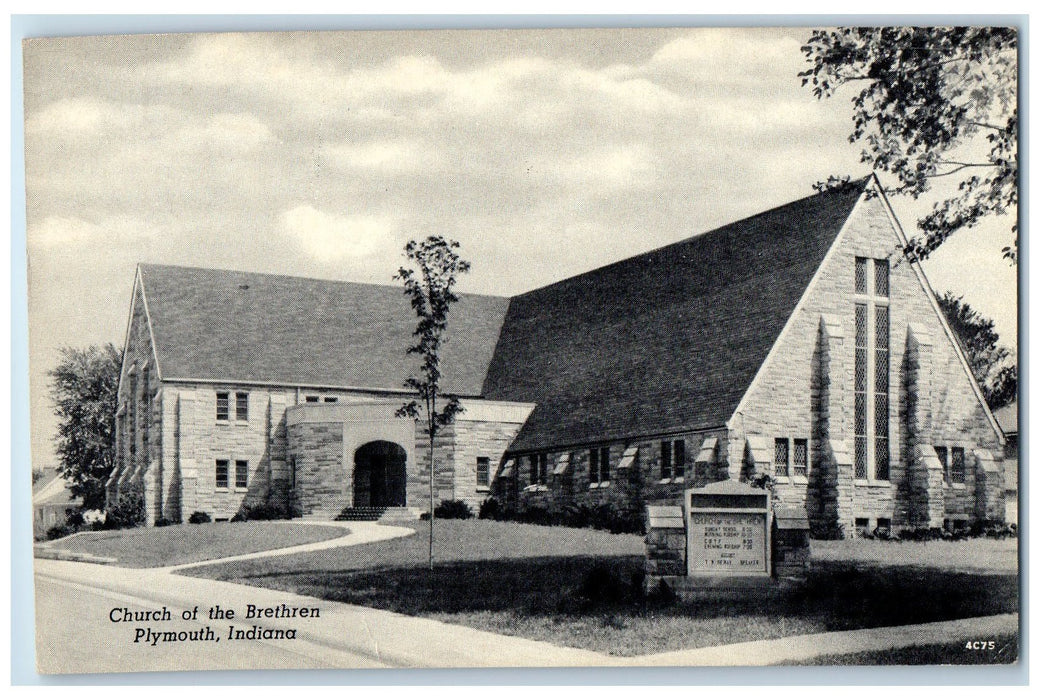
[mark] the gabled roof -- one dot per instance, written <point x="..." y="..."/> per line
<point x="52" y="489"/>
<point x="220" y="325"/>
<point x="665" y="341"/>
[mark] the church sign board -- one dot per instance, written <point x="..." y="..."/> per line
<point x="728" y="530"/>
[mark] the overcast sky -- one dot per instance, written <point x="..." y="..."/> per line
<point x="544" y="153"/>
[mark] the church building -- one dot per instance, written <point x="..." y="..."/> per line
<point x="797" y="343"/>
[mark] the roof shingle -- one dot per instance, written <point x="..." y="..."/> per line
<point x="665" y="341"/>
<point x="244" y="326"/>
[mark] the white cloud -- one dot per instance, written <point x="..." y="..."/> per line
<point x="330" y="237"/>
<point x="392" y="156"/>
<point x="236" y="131"/>
<point x="70" y="231"/>
<point x="75" y="114"/>
<point x="618" y="167"/>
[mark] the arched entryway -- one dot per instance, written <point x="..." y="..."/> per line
<point x="379" y="475"/>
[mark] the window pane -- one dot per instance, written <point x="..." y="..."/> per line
<point x="680" y="457"/>
<point x="241" y="474"/>
<point x="860" y="424"/>
<point x="594" y="465"/>
<point x="483" y="471"/>
<point x="881" y="327"/>
<point x="241" y="406"/>
<point x="861" y="325"/>
<point x="861" y="369"/>
<point x="881" y="415"/>
<point x="780" y="456"/>
<point x="801" y="457"/>
<point x="861" y="457"/>
<point x="881" y="458"/>
<point x="223" y="412"/>
<point x="881" y="371"/>
<point x="604" y="464"/>
<point x="666" y="460"/>
<point x="222" y="473"/>
<point x="861" y="275"/>
<point x="881" y="278"/>
<point x="312" y="399"/>
<point x="957" y="465"/>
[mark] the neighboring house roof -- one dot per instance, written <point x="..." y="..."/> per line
<point x="54" y="491"/>
<point x="668" y="340"/>
<point x="242" y="326"/>
<point x="1007" y="418"/>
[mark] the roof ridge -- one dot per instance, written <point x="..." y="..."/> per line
<point x="280" y="275"/>
<point x="859" y="184"/>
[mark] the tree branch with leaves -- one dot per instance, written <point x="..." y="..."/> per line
<point x="83" y="390"/>
<point x="932" y="102"/>
<point x="429" y="284"/>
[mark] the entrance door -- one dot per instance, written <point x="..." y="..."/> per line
<point x="379" y="475"/>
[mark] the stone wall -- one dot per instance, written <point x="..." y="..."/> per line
<point x="804" y="389"/>
<point x="636" y="475"/>
<point x="323" y="485"/>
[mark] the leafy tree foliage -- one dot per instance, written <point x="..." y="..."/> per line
<point x="992" y="364"/>
<point x="83" y="390"/>
<point x="935" y="102"/>
<point x="429" y="284"/>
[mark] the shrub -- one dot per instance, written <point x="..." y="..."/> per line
<point x="453" y="510"/>
<point x="610" y="517"/>
<point x="128" y="510"/>
<point x="199" y="517"/>
<point x="425" y="515"/>
<point x="74" y="518"/>
<point x="535" y="515"/>
<point x="490" y="509"/>
<point x="163" y="522"/>
<point x="833" y="531"/>
<point x="56" y="532"/>
<point x="262" y="511"/>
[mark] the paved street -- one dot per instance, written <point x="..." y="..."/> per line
<point x="71" y="638"/>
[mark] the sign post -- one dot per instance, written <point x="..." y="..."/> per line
<point x="728" y="531"/>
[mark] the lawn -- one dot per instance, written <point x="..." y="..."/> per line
<point x="1004" y="650"/>
<point x="577" y="587"/>
<point x="184" y="544"/>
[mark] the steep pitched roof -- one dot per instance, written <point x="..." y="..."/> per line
<point x="244" y="326"/>
<point x="665" y="341"/>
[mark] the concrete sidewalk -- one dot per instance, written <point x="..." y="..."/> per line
<point x="343" y="631"/>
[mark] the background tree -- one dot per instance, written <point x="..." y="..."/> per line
<point x="428" y="283"/>
<point x="83" y="389"/>
<point x="935" y="102"/>
<point x="992" y="364"/>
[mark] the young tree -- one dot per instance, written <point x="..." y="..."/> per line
<point x="83" y="389"/>
<point x="428" y="283"/>
<point x="935" y="102"/>
<point x="992" y="364"/>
